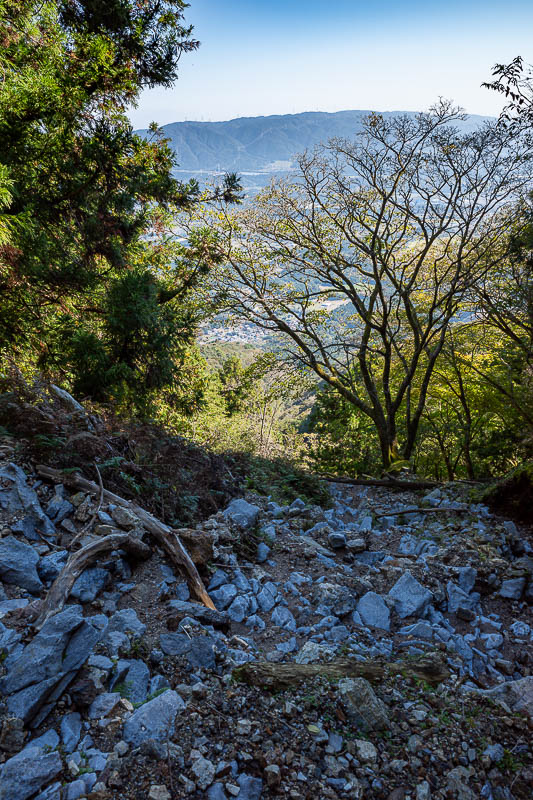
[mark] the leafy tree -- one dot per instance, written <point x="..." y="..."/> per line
<point x="93" y="285"/>
<point x="362" y="264"/>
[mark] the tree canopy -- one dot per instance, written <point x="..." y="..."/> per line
<point x="363" y="263"/>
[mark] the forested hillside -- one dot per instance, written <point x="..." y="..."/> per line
<point x="257" y="143"/>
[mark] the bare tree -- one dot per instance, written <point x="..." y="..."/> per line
<point x="362" y="262"/>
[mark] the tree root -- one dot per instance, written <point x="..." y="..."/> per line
<point x="167" y="538"/>
<point x="429" y="668"/>
<point x="77" y="562"/>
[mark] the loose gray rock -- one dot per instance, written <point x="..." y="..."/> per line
<point x="203" y="771"/>
<point x="336" y="540"/>
<point x="410" y="597"/>
<point x="154" y="720"/>
<point x="27" y="772"/>
<point x="224" y="596"/>
<point x="238" y="610"/>
<point x="241" y="513"/>
<point x="374" y="611"/>
<point x="51" y="565"/>
<point x="90" y="583"/>
<point x="70" y="731"/>
<point x="362" y="705"/>
<point x="512" y="589"/>
<point x="283" y="617"/>
<point x="18" y="562"/>
<point x="48" y="664"/>
<point x="251" y="788"/>
<point x="16" y="496"/>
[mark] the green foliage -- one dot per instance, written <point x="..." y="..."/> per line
<point x="284" y="481"/>
<point x="94" y="289"/>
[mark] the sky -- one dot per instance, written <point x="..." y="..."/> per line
<point x="288" y="56"/>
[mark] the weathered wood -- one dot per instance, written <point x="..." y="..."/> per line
<point x="429" y="668"/>
<point x="77" y="562"/>
<point x="388" y="483"/>
<point x="420" y="510"/>
<point x="165" y="536"/>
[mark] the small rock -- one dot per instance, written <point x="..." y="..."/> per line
<point x="204" y="772"/>
<point x="366" y="751"/>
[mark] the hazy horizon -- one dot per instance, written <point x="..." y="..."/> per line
<point x="290" y="56"/>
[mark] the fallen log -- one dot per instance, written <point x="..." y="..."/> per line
<point x="429" y="668"/>
<point x="421" y="510"/>
<point x="388" y="483"/>
<point x="77" y="562"/>
<point x="165" y="536"/>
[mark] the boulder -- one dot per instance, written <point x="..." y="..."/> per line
<point x="362" y="706"/>
<point x="409" y="596"/>
<point x="242" y="514"/>
<point x="48" y="664"/>
<point x="154" y="720"/>
<point x="16" y="497"/>
<point x="27" y="772"/>
<point x="374" y="611"/>
<point x="89" y="584"/>
<point x="18" y="562"/>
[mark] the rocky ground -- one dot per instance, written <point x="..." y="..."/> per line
<point x="134" y="690"/>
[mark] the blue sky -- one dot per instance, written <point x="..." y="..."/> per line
<point x="287" y="56"/>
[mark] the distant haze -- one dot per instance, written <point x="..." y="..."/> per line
<point x="263" y="144"/>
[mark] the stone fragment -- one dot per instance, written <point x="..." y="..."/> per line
<point x="263" y="552"/>
<point x="18" y="562"/>
<point x="89" y="584"/>
<point x="366" y="751"/>
<point x="410" y="597"/>
<point x="336" y="540"/>
<point x="154" y="720"/>
<point x="362" y="705"/>
<point x="512" y="589"/>
<point x="356" y="545"/>
<point x="239" y="608"/>
<point x="203" y="771"/>
<point x="374" y="611"/>
<point x="124" y="518"/>
<point x="250" y="788"/>
<point x="242" y="514"/>
<point x="48" y="664"/>
<point x="16" y="496"/>
<point x="223" y="596"/>
<point x="459" y="599"/>
<point x="51" y="565"/>
<point x="282" y="617"/>
<point x="70" y="731"/>
<point x="27" y="772"/>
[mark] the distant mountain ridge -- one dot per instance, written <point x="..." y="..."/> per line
<point x="264" y="143"/>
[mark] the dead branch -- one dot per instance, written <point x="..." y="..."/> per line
<point x="165" y="536"/>
<point x="90" y="523"/>
<point x="77" y="562"/>
<point x="430" y="668"/>
<point x="389" y="483"/>
<point x="421" y="510"/>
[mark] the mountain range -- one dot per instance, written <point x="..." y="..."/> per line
<point x="264" y="144"/>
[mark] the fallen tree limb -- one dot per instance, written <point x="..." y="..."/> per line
<point x="420" y="510"/>
<point x="165" y="536"/>
<point x="270" y="676"/>
<point x="77" y="562"/>
<point x="389" y="483"/>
